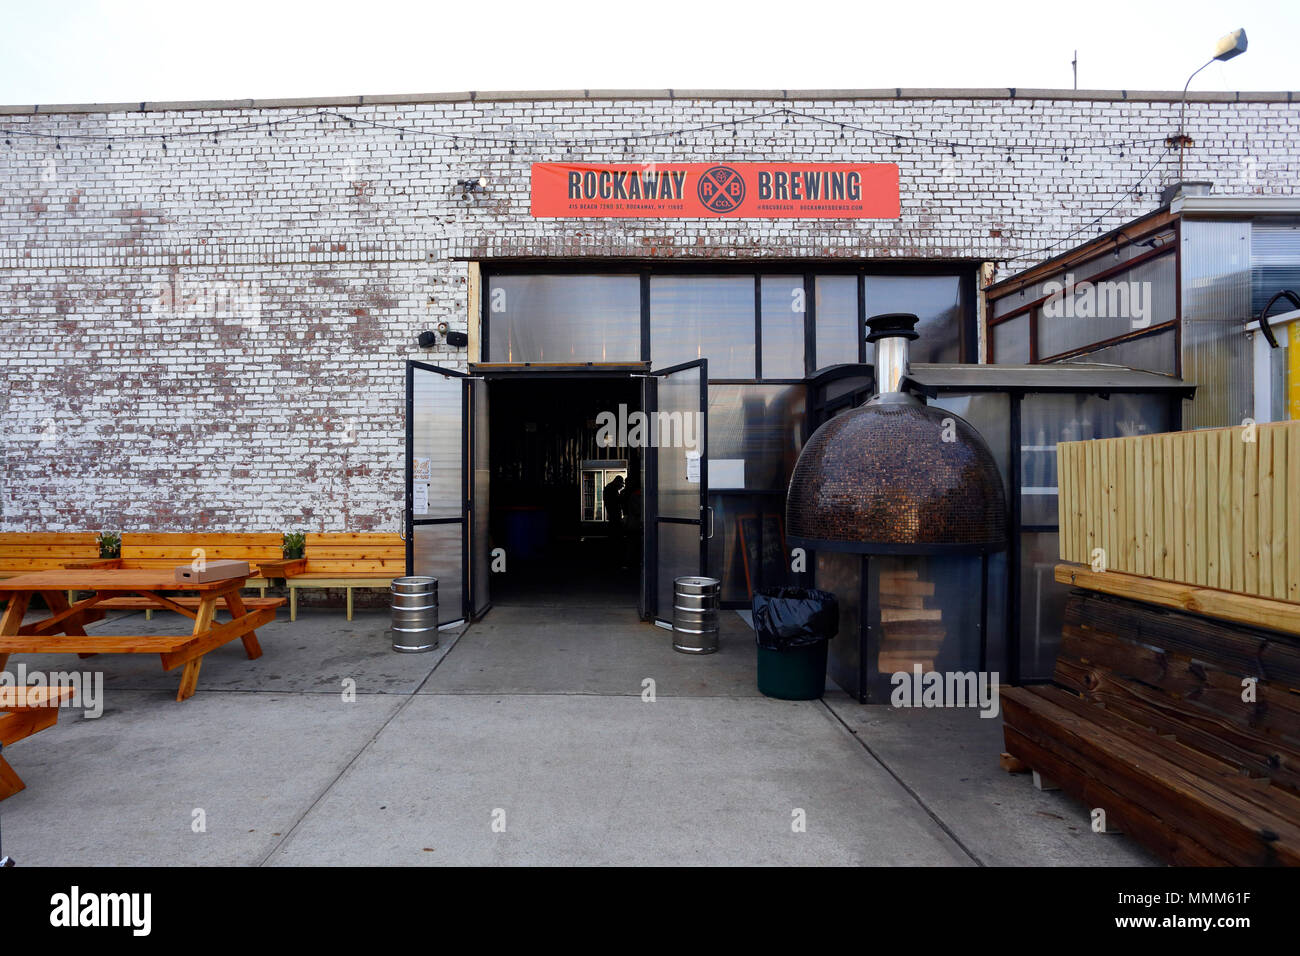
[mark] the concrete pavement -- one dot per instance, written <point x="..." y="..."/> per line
<point x="529" y="738"/>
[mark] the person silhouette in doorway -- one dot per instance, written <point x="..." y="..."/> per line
<point x="614" y="515"/>
<point x="633" y="519"/>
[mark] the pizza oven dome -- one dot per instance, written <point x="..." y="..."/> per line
<point x="896" y="475"/>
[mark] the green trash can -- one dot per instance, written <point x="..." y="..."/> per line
<point x="791" y="629"/>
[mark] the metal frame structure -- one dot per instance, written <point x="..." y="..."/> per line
<point x="410" y="522"/>
<point x="1175" y="390"/>
<point x="1136" y="232"/>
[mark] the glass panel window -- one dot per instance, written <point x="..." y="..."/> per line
<point x="1046" y="420"/>
<point x="783" y="310"/>
<point x="564" y="318"/>
<point x="709" y="317"/>
<point x="1088" y="312"/>
<point x="1011" y="341"/>
<point x="936" y="300"/>
<point x="755" y="435"/>
<point x="1151" y="353"/>
<point x="836" y="319"/>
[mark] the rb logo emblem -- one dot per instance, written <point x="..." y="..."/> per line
<point x="721" y="189"/>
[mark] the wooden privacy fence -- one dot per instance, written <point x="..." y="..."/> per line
<point x="1217" y="508"/>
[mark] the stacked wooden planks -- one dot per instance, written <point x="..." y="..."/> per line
<point x="1185" y="730"/>
<point x="1215" y="508"/>
<point x="910" y="633"/>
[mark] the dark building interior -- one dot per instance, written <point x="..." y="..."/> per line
<point x="549" y="471"/>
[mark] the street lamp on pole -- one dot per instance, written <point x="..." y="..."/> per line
<point x="1234" y="44"/>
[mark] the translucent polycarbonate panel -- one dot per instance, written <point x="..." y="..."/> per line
<point x="1047" y="420"/>
<point x="783" y="309"/>
<point x="836" y="319"/>
<point x="710" y="317"/>
<point x="678" y="431"/>
<point x="1042" y="604"/>
<point x="437" y="436"/>
<point x="841" y="574"/>
<point x="436" y="550"/>
<point x="1110" y="257"/>
<point x="1088" y="312"/>
<point x="1010" y="341"/>
<point x="1274" y="264"/>
<point x="990" y="414"/>
<point x="479" y="534"/>
<point x="679" y="556"/>
<point x="564" y="318"/>
<point x="1216" y="272"/>
<point x="1151" y="353"/>
<point x="761" y="425"/>
<point x="936" y="300"/>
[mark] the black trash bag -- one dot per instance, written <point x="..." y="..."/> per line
<point x="794" y="617"/>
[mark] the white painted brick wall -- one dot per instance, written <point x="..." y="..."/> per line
<point x="353" y="240"/>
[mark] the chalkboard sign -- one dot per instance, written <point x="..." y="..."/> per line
<point x="760" y="539"/>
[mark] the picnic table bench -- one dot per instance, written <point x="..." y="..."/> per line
<point x="64" y="631"/>
<point x="23" y="712"/>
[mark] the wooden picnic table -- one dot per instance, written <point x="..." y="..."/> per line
<point x="64" y="631"/>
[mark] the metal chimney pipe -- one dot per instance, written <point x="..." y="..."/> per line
<point x="891" y="332"/>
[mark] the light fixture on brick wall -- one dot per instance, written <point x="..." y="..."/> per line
<point x="427" y="339"/>
<point x="470" y="187"/>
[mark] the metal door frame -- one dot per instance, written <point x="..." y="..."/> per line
<point x="466" y="475"/>
<point x="650" y="488"/>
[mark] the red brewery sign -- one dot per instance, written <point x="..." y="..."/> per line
<point x="717" y="190"/>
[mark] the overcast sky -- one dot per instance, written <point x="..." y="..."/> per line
<point x="87" y="51"/>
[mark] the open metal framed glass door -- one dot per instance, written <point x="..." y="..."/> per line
<point x="446" y="471"/>
<point x="678" y="522"/>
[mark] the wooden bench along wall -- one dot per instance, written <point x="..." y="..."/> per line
<point x="22" y="552"/>
<point x="1146" y="720"/>
<point x="1208" y="508"/>
<point x="348" y="560"/>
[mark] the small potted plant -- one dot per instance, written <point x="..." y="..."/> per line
<point x="110" y="544"/>
<point x="293" y="544"/>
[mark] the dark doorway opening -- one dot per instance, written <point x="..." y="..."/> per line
<point x="551" y="462"/>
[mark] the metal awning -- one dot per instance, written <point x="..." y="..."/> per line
<point x="1077" y="377"/>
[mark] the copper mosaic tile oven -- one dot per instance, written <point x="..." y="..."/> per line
<point x="902" y="504"/>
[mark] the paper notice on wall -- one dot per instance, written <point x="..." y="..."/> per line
<point x="693" y="467"/>
<point x="422" y="470"/>
<point x="420" y="504"/>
